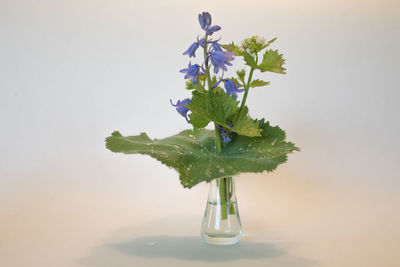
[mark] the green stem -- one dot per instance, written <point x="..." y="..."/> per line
<point x="218" y="141"/>
<point x="225" y="188"/>
<point x="246" y="90"/>
<point x="206" y="65"/>
<point x="223" y="198"/>
<point x="224" y="184"/>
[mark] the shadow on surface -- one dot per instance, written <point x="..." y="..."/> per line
<point x="193" y="248"/>
<point x="161" y="249"/>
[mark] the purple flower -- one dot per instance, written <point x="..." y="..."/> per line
<point x="220" y="58"/>
<point x="230" y="131"/>
<point x="192" y="71"/>
<point x="209" y="41"/>
<point x="219" y="81"/>
<point x="213" y="29"/>
<point x="181" y="108"/>
<point x="205" y="23"/>
<point x="224" y="135"/>
<point x="201" y="41"/>
<point x="216" y="47"/>
<point x="231" y="88"/>
<point x="205" y="20"/>
<point x="192" y="50"/>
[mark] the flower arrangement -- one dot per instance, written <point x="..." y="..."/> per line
<point x="238" y="143"/>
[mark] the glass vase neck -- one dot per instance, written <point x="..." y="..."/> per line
<point x="221" y="223"/>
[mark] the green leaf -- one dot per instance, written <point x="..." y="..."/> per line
<point x="258" y="154"/>
<point x="189" y="85"/>
<point x="198" y="86"/>
<point x="272" y="61"/>
<point x="213" y="79"/>
<point x="236" y="81"/>
<point x="201" y="78"/>
<point x="192" y="152"/>
<point x="198" y="121"/>
<point x="233" y="48"/>
<point x="268" y="43"/>
<point x="258" y="83"/>
<point x="244" y="125"/>
<point x="241" y="74"/>
<point x="217" y="108"/>
<point x="249" y="59"/>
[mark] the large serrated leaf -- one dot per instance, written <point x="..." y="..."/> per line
<point x="192" y="152"/>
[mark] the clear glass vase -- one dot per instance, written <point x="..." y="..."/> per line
<point x="221" y="223"/>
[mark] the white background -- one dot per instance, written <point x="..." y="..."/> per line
<point x="71" y="72"/>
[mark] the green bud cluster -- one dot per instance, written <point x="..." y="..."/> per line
<point x="253" y="44"/>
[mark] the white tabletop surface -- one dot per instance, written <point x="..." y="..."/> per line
<point x="84" y="219"/>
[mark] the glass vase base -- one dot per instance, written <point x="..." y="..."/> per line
<point x="221" y="240"/>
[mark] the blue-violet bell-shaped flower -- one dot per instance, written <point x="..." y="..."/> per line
<point x="216" y="47"/>
<point x="181" y="108"/>
<point x="220" y="58"/>
<point x="192" y="50"/>
<point x="201" y="41"/>
<point x="231" y="88"/>
<point x="213" y="29"/>
<point x="205" y="23"/>
<point x="192" y="72"/>
<point x="205" y="20"/>
<point x="224" y="135"/>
